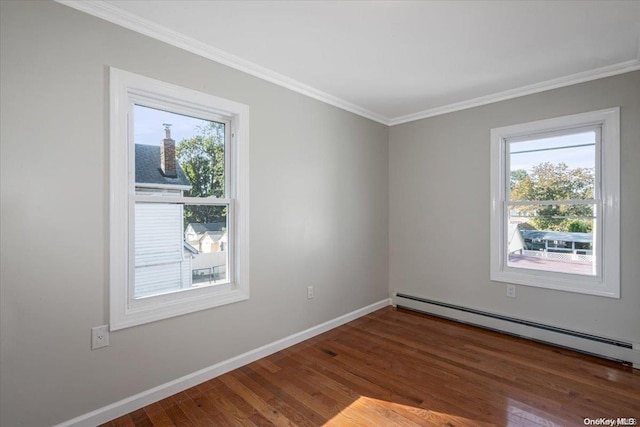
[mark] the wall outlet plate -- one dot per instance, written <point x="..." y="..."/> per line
<point x="511" y="291"/>
<point x="99" y="337"/>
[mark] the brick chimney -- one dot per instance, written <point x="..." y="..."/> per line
<point x="168" y="153"/>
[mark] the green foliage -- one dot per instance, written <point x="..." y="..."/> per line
<point x="202" y="160"/>
<point x="579" y="226"/>
<point x="517" y="176"/>
<point x="548" y="181"/>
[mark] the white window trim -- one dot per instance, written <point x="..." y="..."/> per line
<point x="125" y="87"/>
<point x="607" y="281"/>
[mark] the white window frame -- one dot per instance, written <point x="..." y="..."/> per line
<point x="607" y="193"/>
<point x="127" y="89"/>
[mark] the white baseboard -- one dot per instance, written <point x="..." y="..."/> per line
<point x="135" y="402"/>
<point x="523" y="329"/>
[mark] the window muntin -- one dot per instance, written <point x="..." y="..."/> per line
<point x="563" y="236"/>
<point x="159" y="213"/>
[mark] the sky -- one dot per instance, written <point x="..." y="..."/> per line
<point x="150" y="131"/>
<point x="576" y="157"/>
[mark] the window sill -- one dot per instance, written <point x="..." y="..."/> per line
<point x="160" y="307"/>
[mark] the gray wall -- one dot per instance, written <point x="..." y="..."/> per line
<point x="439" y="210"/>
<point x="319" y="216"/>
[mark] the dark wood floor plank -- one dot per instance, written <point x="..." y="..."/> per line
<point x="557" y="389"/>
<point x="250" y="411"/>
<point x="226" y="408"/>
<point x="366" y="366"/>
<point x="140" y="418"/>
<point x="308" y="394"/>
<point x="194" y="412"/>
<point x="124" y="421"/>
<point x="274" y="393"/>
<point x="157" y="415"/>
<point x="395" y="367"/>
<point x="213" y="413"/>
<point x="429" y="391"/>
<point x="308" y="379"/>
<point x="262" y="406"/>
<point x="468" y="379"/>
<point x="175" y="413"/>
<point x="373" y="409"/>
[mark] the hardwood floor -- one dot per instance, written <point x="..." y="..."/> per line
<point x="398" y="368"/>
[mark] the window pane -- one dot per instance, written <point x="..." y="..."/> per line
<point x="207" y="243"/>
<point x="555" y="168"/>
<point x="179" y="247"/>
<point x="177" y="153"/>
<point x="555" y="238"/>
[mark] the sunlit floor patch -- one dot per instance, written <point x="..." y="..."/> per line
<point x="397" y="414"/>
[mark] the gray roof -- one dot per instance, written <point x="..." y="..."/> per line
<point x="215" y="235"/>
<point x="209" y="226"/>
<point x="525" y="226"/>
<point x="190" y="248"/>
<point x="558" y="235"/>
<point x="148" y="168"/>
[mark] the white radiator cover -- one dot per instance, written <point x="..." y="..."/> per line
<point x="626" y="352"/>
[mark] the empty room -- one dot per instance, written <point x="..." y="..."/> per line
<point x="308" y="213"/>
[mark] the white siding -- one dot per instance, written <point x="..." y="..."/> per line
<point x="514" y="238"/>
<point x="158" y="251"/>
<point x="158" y="279"/>
<point x="186" y="272"/>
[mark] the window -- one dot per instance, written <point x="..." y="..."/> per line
<point x="555" y="215"/>
<point x="178" y="200"/>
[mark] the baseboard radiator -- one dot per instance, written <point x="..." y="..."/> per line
<point x="625" y="352"/>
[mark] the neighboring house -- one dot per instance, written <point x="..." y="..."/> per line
<point x="190" y="249"/>
<point x="208" y="237"/>
<point x="213" y="241"/>
<point x="157" y="169"/>
<point x="514" y="237"/>
<point x="162" y="257"/>
<point x="558" y="241"/>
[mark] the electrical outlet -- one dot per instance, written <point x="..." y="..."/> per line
<point x="99" y="337"/>
<point x="511" y="291"/>
<point x="309" y="292"/>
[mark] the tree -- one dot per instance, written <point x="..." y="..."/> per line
<point x="579" y="226"/>
<point x="202" y="160"/>
<point x="517" y="176"/>
<point x="548" y="181"/>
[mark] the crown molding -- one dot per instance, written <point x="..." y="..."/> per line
<point x="115" y="15"/>
<point x="585" y="76"/>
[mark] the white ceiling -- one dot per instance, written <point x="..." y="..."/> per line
<point x="395" y="61"/>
